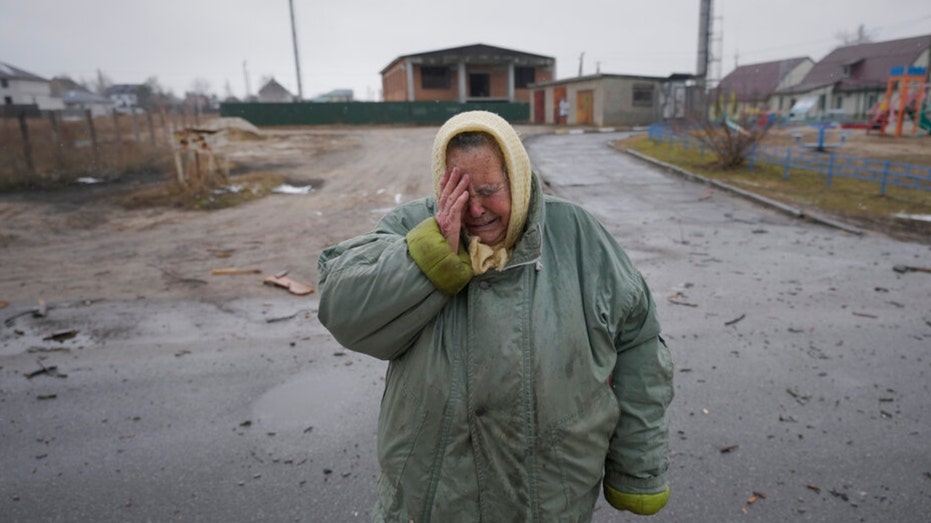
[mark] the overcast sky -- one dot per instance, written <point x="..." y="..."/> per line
<point x="345" y="43"/>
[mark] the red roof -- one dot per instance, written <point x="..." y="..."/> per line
<point x="862" y="66"/>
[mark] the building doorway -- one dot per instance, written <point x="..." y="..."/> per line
<point x="479" y="85"/>
<point x="585" y="107"/>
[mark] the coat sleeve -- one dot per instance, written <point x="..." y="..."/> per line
<point x="374" y="297"/>
<point x="637" y="458"/>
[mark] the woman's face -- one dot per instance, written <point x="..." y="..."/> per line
<point x="488" y="211"/>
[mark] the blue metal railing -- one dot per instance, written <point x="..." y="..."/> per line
<point x="829" y="164"/>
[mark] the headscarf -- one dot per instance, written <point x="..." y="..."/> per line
<point x="483" y="256"/>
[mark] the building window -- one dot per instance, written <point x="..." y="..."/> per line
<point x="838" y="102"/>
<point x="643" y="95"/>
<point x="434" y="77"/>
<point x="8" y="100"/>
<point x="523" y="77"/>
<point x="4" y="83"/>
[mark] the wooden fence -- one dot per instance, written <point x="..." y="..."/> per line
<point x="54" y="148"/>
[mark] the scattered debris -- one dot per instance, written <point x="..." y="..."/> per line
<point x="61" y="335"/>
<point x="735" y="320"/>
<point x="902" y="269"/>
<point x="787" y="419"/>
<point x="728" y="449"/>
<point x="182" y="352"/>
<point x="864" y="315"/>
<point x="675" y="299"/>
<point x="33" y="350"/>
<point x="40" y="310"/>
<point x="220" y="253"/>
<point x="51" y="371"/>
<point x="309" y="429"/>
<point x="838" y="494"/>
<point x="89" y="180"/>
<point x="285" y="318"/>
<point x="290" y="189"/>
<point x="42" y="397"/>
<point x="247" y="423"/>
<point x="802" y="399"/>
<point x="814" y="488"/>
<point x="294" y="287"/>
<point x="233" y="270"/>
<point x="3" y="304"/>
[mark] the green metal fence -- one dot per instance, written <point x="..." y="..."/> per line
<point x="366" y="113"/>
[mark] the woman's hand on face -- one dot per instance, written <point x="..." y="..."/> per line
<point x="454" y="194"/>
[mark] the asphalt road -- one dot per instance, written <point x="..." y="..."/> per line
<point x="802" y="378"/>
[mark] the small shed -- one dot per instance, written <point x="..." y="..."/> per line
<point x="600" y="100"/>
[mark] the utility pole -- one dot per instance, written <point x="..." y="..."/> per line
<point x="297" y="60"/>
<point x="581" y="56"/>
<point x="245" y="74"/>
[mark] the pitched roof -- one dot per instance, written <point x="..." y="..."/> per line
<point x="476" y="53"/>
<point x="273" y="88"/>
<point x="10" y="72"/>
<point x="757" y="82"/>
<point x="866" y="65"/>
<point x="62" y="84"/>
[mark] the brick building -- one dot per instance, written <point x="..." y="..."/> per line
<point x="471" y="73"/>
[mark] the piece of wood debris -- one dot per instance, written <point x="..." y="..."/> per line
<point x="234" y="270"/>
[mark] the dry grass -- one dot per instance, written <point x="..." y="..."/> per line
<point x="853" y="200"/>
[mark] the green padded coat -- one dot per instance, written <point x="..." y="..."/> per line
<point x="512" y="395"/>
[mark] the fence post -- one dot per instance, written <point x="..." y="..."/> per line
<point x="135" y="124"/>
<point x="788" y="166"/>
<point x="93" y="132"/>
<point x="27" y="145"/>
<point x="830" y="170"/>
<point x="119" y="137"/>
<point x="56" y="132"/>
<point x="882" y="184"/>
<point x="148" y="116"/>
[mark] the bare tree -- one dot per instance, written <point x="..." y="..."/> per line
<point x="860" y="36"/>
<point x="729" y="138"/>
<point x="102" y="82"/>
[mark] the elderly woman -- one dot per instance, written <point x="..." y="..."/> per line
<point x="526" y="370"/>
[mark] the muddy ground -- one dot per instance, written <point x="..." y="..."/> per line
<point x="80" y="242"/>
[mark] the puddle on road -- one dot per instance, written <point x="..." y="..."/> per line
<point x="326" y="398"/>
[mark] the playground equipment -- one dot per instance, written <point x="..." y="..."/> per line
<point x="820" y="146"/>
<point x="905" y="98"/>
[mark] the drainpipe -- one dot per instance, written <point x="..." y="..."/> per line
<point x="511" y="82"/>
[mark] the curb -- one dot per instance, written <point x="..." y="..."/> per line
<point x="769" y="202"/>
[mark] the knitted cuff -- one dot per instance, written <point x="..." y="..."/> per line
<point x="642" y="504"/>
<point x="449" y="272"/>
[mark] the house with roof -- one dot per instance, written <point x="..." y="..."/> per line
<point x="125" y="97"/>
<point x="274" y="92"/>
<point x="78" y="99"/>
<point x="21" y="90"/>
<point x="749" y="89"/>
<point x="850" y="80"/>
<point x="600" y="100"/>
<point x="336" y="95"/>
<point x="471" y="73"/>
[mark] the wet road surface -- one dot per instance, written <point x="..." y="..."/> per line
<point x="802" y="378"/>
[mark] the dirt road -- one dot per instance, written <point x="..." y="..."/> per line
<point x="81" y="243"/>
